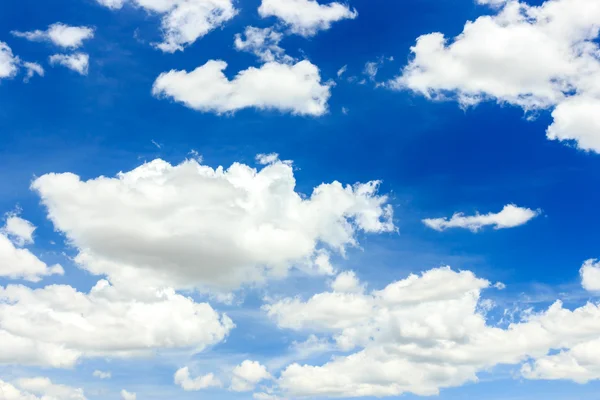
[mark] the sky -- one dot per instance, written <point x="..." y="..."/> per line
<point x="299" y="199"/>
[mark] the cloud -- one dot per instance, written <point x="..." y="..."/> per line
<point x="293" y="88"/>
<point x="422" y="334"/>
<point x="247" y="375"/>
<point x="104" y="322"/>
<point x="347" y="282"/>
<point x="78" y="62"/>
<point x="183" y="379"/>
<point x="579" y="364"/>
<point x="535" y="57"/>
<point x="510" y="217"/>
<point x="102" y="374"/>
<point x="47" y="390"/>
<point x="62" y="35"/>
<point x="590" y="275"/>
<point x="263" y="43"/>
<point x="18" y="229"/>
<point x="190" y="225"/>
<point x="183" y="21"/>
<point x="306" y="17"/>
<point x="17" y="263"/>
<point x="32" y="70"/>
<point x="125" y="395"/>
<point x="9" y="63"/>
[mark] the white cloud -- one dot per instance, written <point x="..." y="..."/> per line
<point x="62" y="35"/>
<point x="18" y="229"/>
<point x="183" y="21"/>
<point x="10" y="392"/>
<point x="534" y="57"/>
<point x="78" y="62"/>
<point x="183" y="379"/>
<point x="125" y="395"/>
<point x="342" y="71"/>
<point x="295" y="88"/>
<point x="266" y="159"/>
<point x="9" y="63"/>
<point x="590" y="275"/>
<point x="579" y="364"/>
<point x="32" y="69"/>
<point x="371" y="69"/>
<point x="577" y="118"/>
<point x="306" y="17"/>
<point x="102" y="374"/>
<point x="47" y="390"/>
<point x="31" y="388"/>
<point x="104" y="322"/>
<point x="16" y="263"/>
<point x="247" y="375"/>
<point x="510" y="217"/>
<point x="347" y="282"/>
<point x="424" y="333"/>
<point x="263" y="43"/>
<point x="190" y="225"/>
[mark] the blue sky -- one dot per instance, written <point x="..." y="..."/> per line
<point x="503" y="111"/>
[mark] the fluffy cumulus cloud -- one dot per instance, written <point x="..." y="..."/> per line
<point x="104" y="322"/>
<point x="428" y="332"/>
<point x="9" y="63"/>
<point x="190" y="225"/>
<point x="295" y="88"/>
<point x="306" y="17"/>
<point x="590" y="275"/>
<point x="509" y="217"/>
<point x="19" y="263"/>
<point x="69" y="37"/>
<point x="535" y="57"/>
<point x="183" y="21"/>
<point x="247" y="375"/>
<point x="78" y="62"/>
<point x="182" y="378"/>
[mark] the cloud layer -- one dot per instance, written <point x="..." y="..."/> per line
<point x="535" y="57"/>
<point x="428" y="332"/>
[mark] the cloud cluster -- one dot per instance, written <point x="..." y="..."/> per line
<point x="509" y="217"/>
<point x="104" y="322"/>
<point x="428" y="332"/>
<point x="183" y="21"/>
<point x="190" y="225"/>
<point x="535" y="57"/>
<point x="64" y="36"/>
